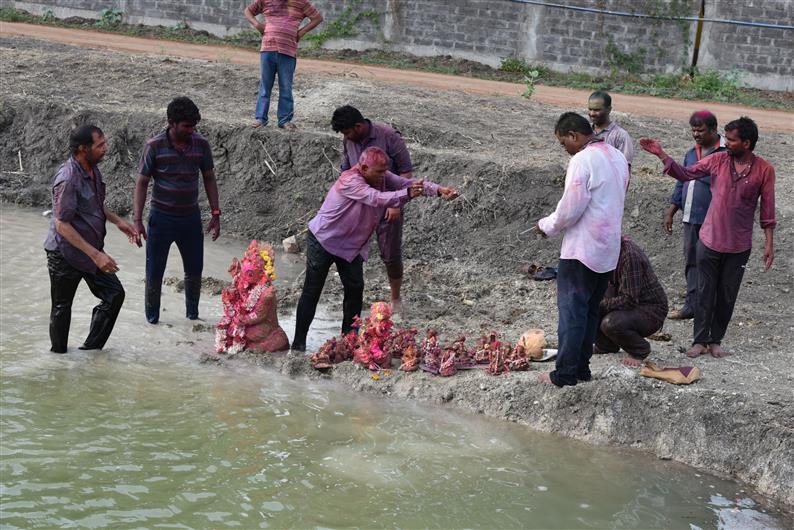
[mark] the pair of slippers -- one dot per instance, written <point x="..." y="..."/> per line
<point x="538" y="273"/>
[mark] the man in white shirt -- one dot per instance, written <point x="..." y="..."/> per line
<point x="590" y="213"/>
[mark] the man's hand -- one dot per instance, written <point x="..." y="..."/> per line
<point x="668" y="222"/>
<point x="131" y="232"/>
<point x="536" y="229"/>
<point x="652" y="146"/>
<point x="448" y="194"/>
<point x="392" y="214"/>
<point x="417" y="189"/>
<point x="769" y="257"/>
<point x="214" y="226"/>
<point x="141" y="230"/>
<point x="260" y="28"/>
<point x="105" y="263"/>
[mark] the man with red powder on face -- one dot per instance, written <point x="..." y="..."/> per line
<point x="339" y="233"/>
<point x="693" y="199"/>
<point x="739" y="179"/>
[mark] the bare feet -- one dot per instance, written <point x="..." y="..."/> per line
<point x="544" y="379"/>
<point x="257" y="124"/>
<point x="632" y="362"/>
<point x="289" y="126"/>
<point x="696" y="351"/>
<point x="396" y="306"/>
<point x="717" y="352"/>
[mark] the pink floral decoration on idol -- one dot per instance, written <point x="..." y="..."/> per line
<point x="249" y="318"/>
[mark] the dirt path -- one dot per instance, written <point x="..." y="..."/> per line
<point x="770" y="120"/>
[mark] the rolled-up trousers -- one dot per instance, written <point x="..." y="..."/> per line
<point x="64" y="280"/>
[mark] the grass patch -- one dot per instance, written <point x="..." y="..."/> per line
<point x="706" y="85"/>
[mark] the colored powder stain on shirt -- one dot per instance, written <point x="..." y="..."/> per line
<point x="728" y="226"/>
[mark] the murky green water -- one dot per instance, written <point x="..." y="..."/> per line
<point x="142" y="436"/>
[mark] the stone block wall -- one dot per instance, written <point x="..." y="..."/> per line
<point x="489" y="30"/>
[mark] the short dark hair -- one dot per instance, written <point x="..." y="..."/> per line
<point x="346" y="117"/>
<point x="703" y="117"/>
<point x="746" y="128"/>
<point x="600" y="94"/>
<point x="182" y="109"/>
<point x="83" y="135"/>
<point x="572" y="122"/>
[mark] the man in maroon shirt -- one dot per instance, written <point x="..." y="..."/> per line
<point x="739" y="179"/>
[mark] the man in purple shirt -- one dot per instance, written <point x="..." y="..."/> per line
<point x="76" y="240"/>
<point x="360" y="133"/>
<point x="340" y="231"/>
<point x="739" y="180"/>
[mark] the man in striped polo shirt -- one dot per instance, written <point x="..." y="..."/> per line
<point x="174" y="159"/>
<point x="280" y="35"/>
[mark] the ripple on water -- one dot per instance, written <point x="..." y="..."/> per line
<point x="141" y="435"/>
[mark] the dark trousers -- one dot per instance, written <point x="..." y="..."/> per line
<point x="186" y="232"/>
<point x="579" y="291"/>
<point x="318" y="262"/>
<point x="627" y="330"/>
<point x="691" y="236"/>
<point x="64" y="280"/>
<point x="719" y="278"/>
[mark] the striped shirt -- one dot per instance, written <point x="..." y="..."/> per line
<point x="282" y="20"/>
<point x="175" y="172"/>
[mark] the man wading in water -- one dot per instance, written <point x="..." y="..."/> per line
<point x="590" y="212"/>
<point x="76" y="240"/>
<point x="174" y="159"/>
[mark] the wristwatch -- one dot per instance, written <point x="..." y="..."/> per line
<point x="216" y="212"/>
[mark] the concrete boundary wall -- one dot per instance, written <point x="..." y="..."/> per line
<point x="488" y="30"/>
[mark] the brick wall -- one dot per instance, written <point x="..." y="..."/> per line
<point x="762" y="56"/>
<point x="488" y="30"/>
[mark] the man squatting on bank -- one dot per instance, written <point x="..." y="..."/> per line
<point x="340" y="232"/>
<point x="693" y="198"/>
<point x="590" y="212"/>
<point x="174" y="159"/>
<point x="739" y="179"/>
<point x="634" y="306"/>
<point x="359" y="134"/>
<point x="76" y="241"/>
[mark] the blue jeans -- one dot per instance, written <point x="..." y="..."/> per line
<point x="186" y="232"/>
<point x="273" y="63"/>
<point x="579" y="293"/>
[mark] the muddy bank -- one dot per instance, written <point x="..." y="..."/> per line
<point x="738" y="421"/>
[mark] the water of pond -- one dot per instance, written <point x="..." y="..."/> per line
<point x="142" y="435"/>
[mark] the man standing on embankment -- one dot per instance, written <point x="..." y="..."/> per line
<point x="281" y="33"/>
<point x="739" y="180"/>
<point x="359" y="134"/>
<point x="590" y="212"/>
